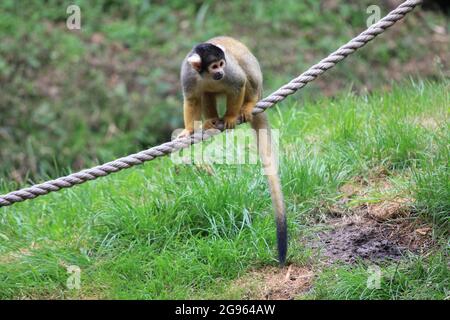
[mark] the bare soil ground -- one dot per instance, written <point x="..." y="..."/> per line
<point x="355" y="238"/>
<point x="384" y="229"/>
<point x="273" y="283"/>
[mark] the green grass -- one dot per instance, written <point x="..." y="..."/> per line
<point x="162" y="231"/>
<point x="414" y="278"/>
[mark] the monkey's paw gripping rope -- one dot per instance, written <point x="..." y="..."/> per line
<point x="181" y="143"/>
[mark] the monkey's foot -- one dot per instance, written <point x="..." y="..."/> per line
<point x="247" y="116"/>
<point x="230" y="122"/>
<point x="185" y="133"/>
<point x="211" y="123"/>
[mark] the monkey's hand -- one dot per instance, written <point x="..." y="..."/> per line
<point x="230" y="122"/>
<point x="185" y="133"/>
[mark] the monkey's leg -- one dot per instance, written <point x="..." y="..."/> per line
<point x="247" y="108"/>
<point x="234" y="104"/>
<point x="209" y="105"/>
<point x="192" y="113"/>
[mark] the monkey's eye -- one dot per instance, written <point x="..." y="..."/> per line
<point x="221" y="64"/>
<point x="214" y="66"/>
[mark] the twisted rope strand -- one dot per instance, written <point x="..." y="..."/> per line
<point x="172" y="146"/>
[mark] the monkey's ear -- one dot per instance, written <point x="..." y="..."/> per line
<point x="195" y="61"/>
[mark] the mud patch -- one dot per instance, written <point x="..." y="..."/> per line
<point x="372" y="220"/>
<point x="350" y="242"/>
<point x="275" y="283"/>
<point x="362" y="238"/>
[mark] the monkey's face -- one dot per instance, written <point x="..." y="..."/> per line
<point x="216" y="69"/>
<point x="208" y="60"/>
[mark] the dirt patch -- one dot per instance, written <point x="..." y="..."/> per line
<point x="362" y="238"/>
<point x="350" y="242"/>
<point x="389" y="209"/>
<point x="374" y="195"/>
<point x="372" y="221"/>
<point x="273" y="283"/>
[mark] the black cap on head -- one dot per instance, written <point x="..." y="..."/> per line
<point x="209" y="53"/>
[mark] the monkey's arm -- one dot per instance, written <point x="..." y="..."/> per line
<point x="192" y="113"/>
<point x="235" y="101"/>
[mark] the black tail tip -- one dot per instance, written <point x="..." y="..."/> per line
<point x="282" y="255"/>
<point x="282" y="243"/>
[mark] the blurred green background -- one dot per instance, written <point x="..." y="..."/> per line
<point x="71" y="99"/>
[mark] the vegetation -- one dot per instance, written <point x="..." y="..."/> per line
<point x="414" y="278"/>
<point x="180" y="231"/>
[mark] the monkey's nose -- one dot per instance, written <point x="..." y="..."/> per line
<point x="218" y="76"/>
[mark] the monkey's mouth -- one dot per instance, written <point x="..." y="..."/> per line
<point x="217" y="76"/>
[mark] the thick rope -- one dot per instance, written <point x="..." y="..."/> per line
<point x="181" y="143"/>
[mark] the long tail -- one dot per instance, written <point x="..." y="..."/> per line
<point x="260" y="124"/>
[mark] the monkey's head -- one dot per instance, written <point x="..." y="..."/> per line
<point x="208" y="59"/>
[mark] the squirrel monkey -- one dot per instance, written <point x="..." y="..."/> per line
<point x="225" y="66"/>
